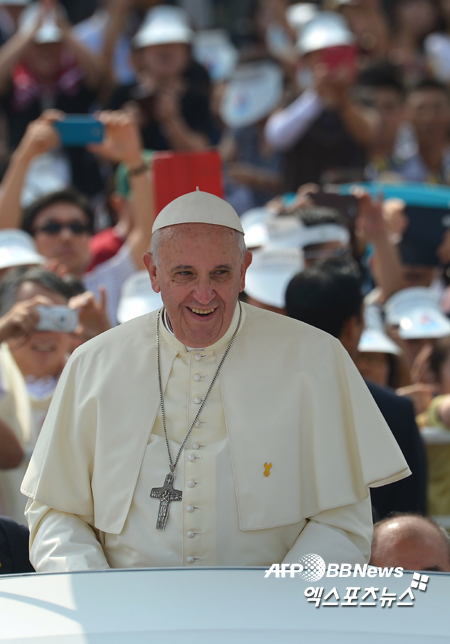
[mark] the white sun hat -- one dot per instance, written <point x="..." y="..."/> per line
<point x="48" y="32"/>
<point x="270" y="272"/>
<point x="416" y="313"/>
<point x="253" y="92"/>
<point x="137" y="298"/>
<point x="17" y="248"/>
<point x="373" y="338"/>
<point x="198" y="207"/>
<point x="215" y="51"/>
<point x="327" y="29"/>
<point x="164" y="25"/>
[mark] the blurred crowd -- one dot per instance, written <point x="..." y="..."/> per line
<point x="331" y="124"/>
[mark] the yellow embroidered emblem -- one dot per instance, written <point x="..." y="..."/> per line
<point x="267" y="469"/>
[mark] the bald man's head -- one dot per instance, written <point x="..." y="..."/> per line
<point x="411" y="542"/>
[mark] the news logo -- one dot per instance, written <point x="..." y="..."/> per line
<point x="311" y="567"/>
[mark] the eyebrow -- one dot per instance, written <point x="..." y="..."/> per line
<point x="183" y="267"/>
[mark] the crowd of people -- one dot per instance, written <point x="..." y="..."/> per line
<point x="332" y="123"/>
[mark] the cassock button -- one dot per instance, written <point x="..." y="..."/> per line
<point x="197" y="400"/>
<point x="198" y="356"/>
<point x="194" y="446"/>
<point x="191" y="483"/>
<point x="191" y="457"/>
<point x="197" y="377"/>
<point x="190" y="559"/>
<point x="190" y="534"/>
<point x="190" y="508"/>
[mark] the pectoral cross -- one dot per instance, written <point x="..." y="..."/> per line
<point x="166" y="494"/>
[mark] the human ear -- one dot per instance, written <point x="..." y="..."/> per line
<point x="152" y="270"/>
<point x="245" y="264"/>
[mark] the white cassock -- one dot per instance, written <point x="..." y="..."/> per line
<point x="287" y="395"/>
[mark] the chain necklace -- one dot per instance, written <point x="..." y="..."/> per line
<point x="167" y="494"/>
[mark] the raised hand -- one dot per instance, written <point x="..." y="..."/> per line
<point x="122" y="141"/>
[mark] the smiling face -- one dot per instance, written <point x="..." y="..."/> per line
<point x="41" y="353"/>
<point x="66" y="246"/>
<point x="199" y="273"/>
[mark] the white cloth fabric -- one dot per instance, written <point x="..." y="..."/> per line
<point x="286" y="127"/>
<point x="296" y="402"/>
<point x="111" y="274"/>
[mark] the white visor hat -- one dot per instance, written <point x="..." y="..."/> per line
<point x="17" y="248"/>
<point x="373" y="338"/>
<point x="253" y="92"/>
<point x="270" y="272"/>
<point x="416" y="313"/>
<point x="137" y="298"/>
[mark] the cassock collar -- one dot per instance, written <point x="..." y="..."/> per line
<point x="171" y="340"/>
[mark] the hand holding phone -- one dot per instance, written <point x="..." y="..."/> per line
<point x="78" y="130"/>
<point x="57" y="318"/>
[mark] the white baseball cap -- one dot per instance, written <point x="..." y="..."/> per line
<point x="164" y="25"/>
<point x="17" y="248"/>
<point x="137" y="298"/>
<point x="253" y="92"/>
<point x="327" y="29"/>
<point x="198" y="208"/>
<point x="373" y="338"/>
<point x="270" y="272"/>
<point x="417" y="314"/>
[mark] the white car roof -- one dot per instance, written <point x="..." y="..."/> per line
<point x="209" y="605"/>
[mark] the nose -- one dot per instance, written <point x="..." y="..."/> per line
<point x="204" y="292"/>
<point x="65" y="233"/>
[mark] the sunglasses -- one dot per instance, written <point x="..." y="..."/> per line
<point x="55" y="227"/>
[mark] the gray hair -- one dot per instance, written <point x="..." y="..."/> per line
<point x="12" y="282"/>
<point x="162" y="235"/>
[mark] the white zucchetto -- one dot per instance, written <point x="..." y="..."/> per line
<point x="198" y="208"/>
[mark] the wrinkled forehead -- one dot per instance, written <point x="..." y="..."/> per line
<point x="196" y="235"/>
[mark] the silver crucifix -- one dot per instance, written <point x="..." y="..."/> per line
<point x="166" y="494"/>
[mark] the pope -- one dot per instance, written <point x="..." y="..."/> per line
<point x="209" y="432"/>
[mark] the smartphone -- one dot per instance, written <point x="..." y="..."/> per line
<point x="346" y="205"/>
<point x="57" y="318"/>
<point x="77" y="130"/>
